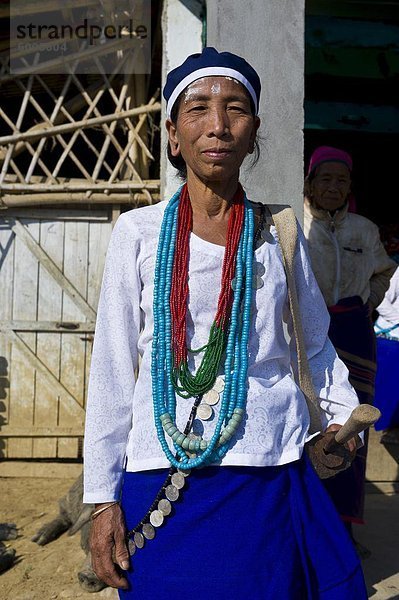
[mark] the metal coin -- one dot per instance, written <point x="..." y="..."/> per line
<point x="259" y="269"/>
<point x="204" y="412"/>
<point x="257" y="282"/>
<point x="184" y="473"/>
<point x="148" y="530"/>
<point x="139" y="539"/>
<point x="178" y="480"/>
<point x="164" y="507"/>
<point x="218" y="386"/>
<point x="234" y="283"/>
<point x="211" y="397"/>
<point x="131" y="547"/>
<point x="172" y="493"/>
<point x="156" y="518"/>
<point x="259" y="243"/>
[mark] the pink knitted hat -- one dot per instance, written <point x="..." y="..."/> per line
<point x="324" y="154"/>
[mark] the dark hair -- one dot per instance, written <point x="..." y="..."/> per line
<point x="306" y="184"/>
<point x="179" y="163"/>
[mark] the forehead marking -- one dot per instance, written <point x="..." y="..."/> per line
<point x="192" y="88"/>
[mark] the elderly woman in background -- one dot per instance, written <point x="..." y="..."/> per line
<point x="353" y="272"/>
<point x="210" y="436"/>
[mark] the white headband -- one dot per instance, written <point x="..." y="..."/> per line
<point x="208" y="72"/>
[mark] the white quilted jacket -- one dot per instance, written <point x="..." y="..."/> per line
<point x="347" y="256"/>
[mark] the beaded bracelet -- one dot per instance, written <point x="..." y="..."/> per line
<point x="97" y="512"/>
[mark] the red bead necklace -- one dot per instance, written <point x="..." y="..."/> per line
<point x="180" y="290"/>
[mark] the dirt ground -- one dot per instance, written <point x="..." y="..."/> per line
<point x="50" y="572"/>
<point x="381" y="535"/>
<point x="40" y="572"/>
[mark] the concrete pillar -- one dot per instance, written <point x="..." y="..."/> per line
<point x="182" y="31"/>
<point x="270" y="35"/>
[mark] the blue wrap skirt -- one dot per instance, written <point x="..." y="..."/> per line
<point x="387" y="383"/>
<point x="245" y="533"/>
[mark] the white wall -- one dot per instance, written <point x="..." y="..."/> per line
<point x="181" y="30"/>
<point x="270" y="35"/>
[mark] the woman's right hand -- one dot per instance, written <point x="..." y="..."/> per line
<point x="108" y="543"/>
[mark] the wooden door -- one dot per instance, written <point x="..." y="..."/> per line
<point x="51" y="264"/>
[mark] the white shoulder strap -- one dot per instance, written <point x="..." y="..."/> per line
<point x="287" y="231"/>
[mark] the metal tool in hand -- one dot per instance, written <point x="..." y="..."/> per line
<point x="329" y="454"/>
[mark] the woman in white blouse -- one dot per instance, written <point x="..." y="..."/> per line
<point x="196" y="467"/>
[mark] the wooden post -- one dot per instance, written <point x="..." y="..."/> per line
<point x="119" y="186"/>
<point x="68" y="127"/>
<point x="132" y="198"/>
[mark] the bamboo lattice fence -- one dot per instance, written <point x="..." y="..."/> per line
<point x="76" y="139"/>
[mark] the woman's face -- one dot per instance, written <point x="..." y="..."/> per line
<point x="330" y="186"/>
<point x="215" y="128"/>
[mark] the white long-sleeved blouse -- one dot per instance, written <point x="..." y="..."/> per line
<point x="389" y="309"/>
<point x="120" y="431"/>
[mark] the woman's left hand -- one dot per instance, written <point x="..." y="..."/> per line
<point x="108" y="537"/>
<point x="351" y="445"/>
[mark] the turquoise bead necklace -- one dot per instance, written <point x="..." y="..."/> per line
<point x="191" y="453"/>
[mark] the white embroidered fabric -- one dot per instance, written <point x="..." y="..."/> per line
<point x="120" y="426"/>
<point x="389" y="308"/>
